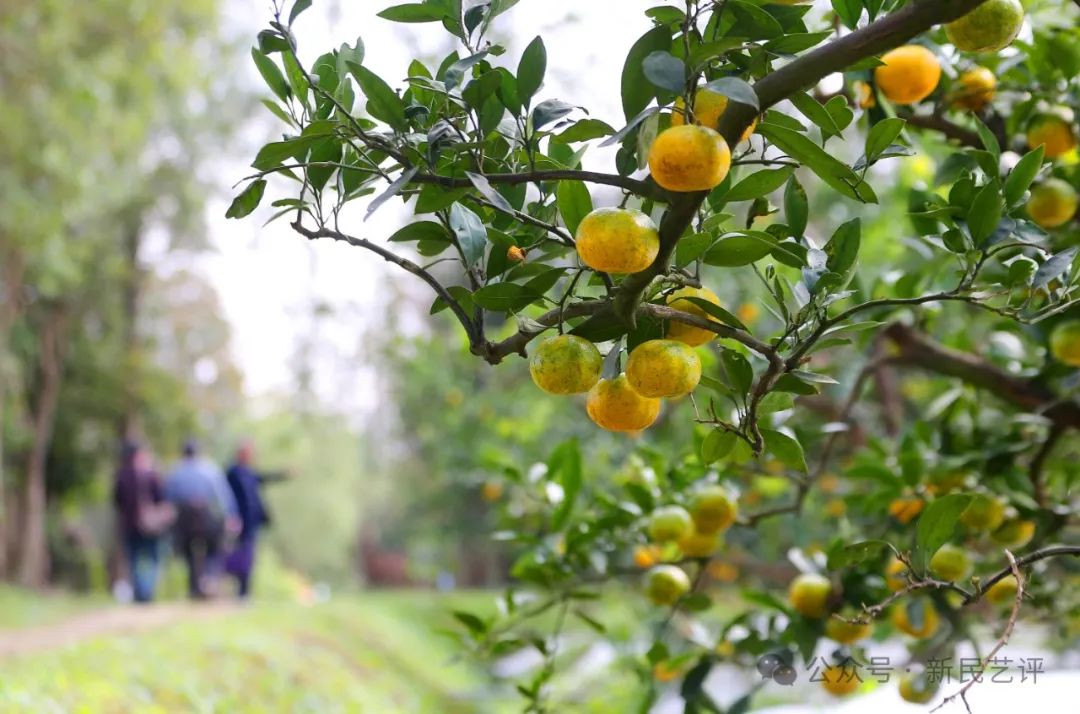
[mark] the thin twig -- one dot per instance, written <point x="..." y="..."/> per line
<point x="1002" y="641"/>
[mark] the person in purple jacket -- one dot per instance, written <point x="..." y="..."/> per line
<point x="246" y="483"/>
<point x="136" y="493"/>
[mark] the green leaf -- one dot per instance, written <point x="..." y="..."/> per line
<point x="271" y="42"/>
<point x="665" y="71"/>
<point x="855" y="553"/>
<point x="248" y="200"/>
<point x="621" y="134"/>
<point x="549" y="110"/>
<point x="470" y="232"/>
<point x="475" y="625"/>
<point x="298" y="8"/>
<point x="843" y="247"/>
<point x="714" y="310"/>
<point x="487" y="191"/>
<point x="717" y="445"/>
<point x="1053" y="267"/>
<point x="796" y="207"/>
<point x="797" y="42"/>
<point x="413" y="13"/>
<point x="1020" y="178"/>
<point x="531" y="69"/>
<point x="735" y="89"/>
<point x="271" y="74"/>
<point x="739" y="372"/>
<point x="816" y="112"/>
<point x="742" y="248"/>
<point x="785" y="448"/>
<point x="985" y="212"/>
<point x="392" y="190"/>
<point x="882" y="136"/>
<point x="584" y="130"/>
<point x="753" y="22"/>
<point x="936" y="526"/>
<point x="420" y="230"/>
<point x="831" y="170"/>
<point x="989" y="142"/>
<point x="574" y="202"/>
<point x="849" y="12"/>
<point x="382" y="102"/>
<point x="505" y="297"/>
<point x="759" y="184"/>
<point x="565" y="465"/>
<point x="636" y="91"/>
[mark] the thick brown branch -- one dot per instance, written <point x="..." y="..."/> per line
<point x="645" y="189"/>
<point x="918" y="350"/>
<point x="949" y="129"/>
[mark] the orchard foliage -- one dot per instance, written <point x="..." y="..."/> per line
<point x="957" y="272"/>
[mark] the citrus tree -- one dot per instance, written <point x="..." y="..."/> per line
<point x="911" y="352"/>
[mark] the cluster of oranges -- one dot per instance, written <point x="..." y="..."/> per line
<point x="694" y="532"/>
<point x="910" y="74"/>
<point x="621" y="241"/>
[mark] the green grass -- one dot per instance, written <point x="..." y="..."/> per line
<point x="363" y="654"/>
<point x="20" y="608"/>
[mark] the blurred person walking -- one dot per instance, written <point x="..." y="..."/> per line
<point x="206" y="511"/>
<point x="246" y="485"/>
<point x="143" y="518"/>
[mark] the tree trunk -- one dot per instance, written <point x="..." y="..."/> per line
<point x="33" y="550"/>
<point x="10" y="294"/>
<point x="132" y="292"/>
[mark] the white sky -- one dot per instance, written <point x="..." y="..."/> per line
<point x="268" y="276"/>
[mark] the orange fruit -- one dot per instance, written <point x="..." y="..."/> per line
<point x="689" y="158"/>
<point x="847" y="633"/>
<point x="864" y="95"/>
<point x="663" y="368"/>
<point x="903" y="620"/>
<point x="669" y="523"/>
<point x="809" y="594"/>
<point x="1065" y="343"/>
<point x="688" y="334"/>
<point x="646" y="556"/>
<point x="975" y="89"/>
<point x="615" y="406"/>
<point x="906" y="509"/>
<point x="988" y="28"/>
<point x="491" y="491"/>
<point x="515" y="254"/>
<point x="910" y="74"/>
<point x="566" y="364"/>
<point x="708" y="108"/>
<point x="916" y="689"/>
<point x="840" y="680"/>
<point x="617" y="240"/>
<point x="950" y="563"/>
<point x="1003" y="592"/>
<point x="1053" y="203"/>
<point x="985" y="513"/>
<point x="699" y="545"/>
<point x="712" y="510"/>
<point x="1055" y="134"/>
<point x="1015" y="533"/>
<point x="665" y="584"/>
<point x="896" y="575"/>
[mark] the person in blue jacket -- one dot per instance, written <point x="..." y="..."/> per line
<point x="246" y="484"/>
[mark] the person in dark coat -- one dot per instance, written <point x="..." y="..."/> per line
<point x="137" y="495"/>
<point x="246" y="484"/>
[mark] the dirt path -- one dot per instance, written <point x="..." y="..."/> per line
<point x="119" y="620"/>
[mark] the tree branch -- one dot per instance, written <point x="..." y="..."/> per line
<point x="949" y="129"/>
<point x="475" y="335"/>
<point x="645" y="189"/>
<point x="516" y="343"/>
<point x="1039" y="460"/>
<point x="918" y="350"/>
<point x="1051" y="551"/>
